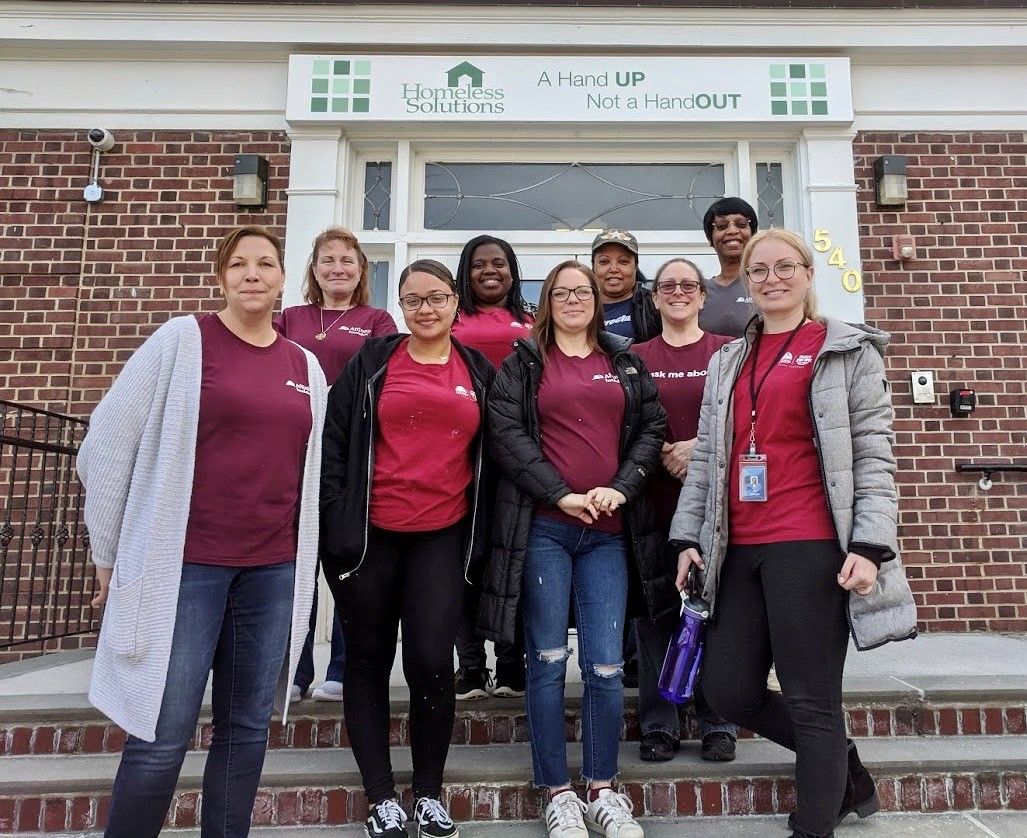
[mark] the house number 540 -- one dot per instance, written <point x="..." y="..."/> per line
<point x="852" y="280"/>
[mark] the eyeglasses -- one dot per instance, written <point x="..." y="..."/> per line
<point x="582" y="292"/>
<point x="782" y="270"/>
<point x="413" y="302"/>
<point x="667" y="286"/>
<point x="737" y="223"/>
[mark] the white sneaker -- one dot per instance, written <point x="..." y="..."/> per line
<point x="610" y="815"/>
<point x="563" y="816"/>
<point x="295" y="694"/>
<point x="328" y="691"/>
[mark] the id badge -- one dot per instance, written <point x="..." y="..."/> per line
<point x="752" y="478"/>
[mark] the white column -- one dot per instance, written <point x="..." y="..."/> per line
<point x="317" y="180"/>
<point x="829" y="222"/>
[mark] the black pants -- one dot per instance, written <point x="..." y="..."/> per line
<point x="413" y="579"/>
<point x="470" y="649"/>
<point x="781" y="604"/>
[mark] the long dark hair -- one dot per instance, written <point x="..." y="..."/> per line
<point x="543" y="330"/>
<point x="514" y="301"/>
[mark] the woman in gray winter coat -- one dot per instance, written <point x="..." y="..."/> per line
<point x="789" y="506"/>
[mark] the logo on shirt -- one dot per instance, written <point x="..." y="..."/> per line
<point x="299" y="388"/>
<point x="744" y="300"/>
<point x="608" y="377"/>
<point x="624" y="318"/>
<point x="356" y="330"/>
<point x="789" y="360"/>
<point x="460" y="390"/>
<point x="515" y="325"/>
<point x="678" y="374"/>
<point x="803" y="360"/>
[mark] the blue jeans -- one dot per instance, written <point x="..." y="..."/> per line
<point x="236" y="620"/>
<point x="574" y="566"/>
<point x="336" y="663"/>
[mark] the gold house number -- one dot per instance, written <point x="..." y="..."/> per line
<point x="852" y="280"/>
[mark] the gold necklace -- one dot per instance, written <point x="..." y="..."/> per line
<point x="324" y="332"/>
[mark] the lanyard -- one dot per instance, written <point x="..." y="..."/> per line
<point x="754" y="389"/>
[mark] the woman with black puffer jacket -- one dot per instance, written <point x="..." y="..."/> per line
<point x="576" y="428"/>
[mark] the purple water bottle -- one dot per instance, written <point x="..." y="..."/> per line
<point x="684" y="654"/>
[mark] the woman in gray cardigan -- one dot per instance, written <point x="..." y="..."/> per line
<point x="789" y="506"/>
<point x="201" y="468"/>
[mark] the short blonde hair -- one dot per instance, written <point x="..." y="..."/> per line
<point x="794" y="241"/>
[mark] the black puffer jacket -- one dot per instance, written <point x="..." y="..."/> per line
<point x="527" y="479"/>
<point x="645" y="319"/>
<point x="347" y="459"/>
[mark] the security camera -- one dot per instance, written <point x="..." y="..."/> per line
<point x="101" y="139"/>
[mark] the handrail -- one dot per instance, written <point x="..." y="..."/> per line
<point x="987" y="469"/>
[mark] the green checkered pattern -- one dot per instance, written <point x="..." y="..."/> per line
<point x="798" y="90"/>
<point x="340" y="86"/>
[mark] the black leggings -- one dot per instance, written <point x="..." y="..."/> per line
<point x="414" y="579"/>
<point x="781" y="604"/>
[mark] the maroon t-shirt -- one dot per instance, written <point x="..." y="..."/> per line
<point x="251" y="445"/>
<point x="796" y="506"/>
<point x="581" y="414"/>
<point x="345" y="332"/>
<point x="428" y="416"/>
<point x="680" y="376"/>
<point x="492" y="332"/>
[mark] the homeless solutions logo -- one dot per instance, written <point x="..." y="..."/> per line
<point x="798" y="90"/>
<point x="463" y="93"/>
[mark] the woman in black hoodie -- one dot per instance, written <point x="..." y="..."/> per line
<point x="576" y="428"/>
<point x="402" y="509"/>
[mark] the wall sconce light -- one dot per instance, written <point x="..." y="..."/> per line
<point x="890" y="180"/>
<point x="249" y="187"/>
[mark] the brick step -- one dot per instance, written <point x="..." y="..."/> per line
<point x="486" y="783"/>
<point x="973" y="824"/>
<point x="68" y="724"/>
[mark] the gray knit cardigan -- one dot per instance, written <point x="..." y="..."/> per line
<point x="136" y="463"/>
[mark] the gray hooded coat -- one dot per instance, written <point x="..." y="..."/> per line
<point x="851" y="413"/>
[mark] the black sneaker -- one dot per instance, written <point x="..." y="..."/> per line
<point x="472" y="683"/>
<point x="509" y="679"/>
<point x="385" y="820"/>
<point x="433" y="820"/>
<point x="658" y="746"/>
<point x="718" y="747"/>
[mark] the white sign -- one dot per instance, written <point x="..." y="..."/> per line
<point x="341" y="88"/>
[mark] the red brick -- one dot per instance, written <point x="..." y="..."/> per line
<point x="302" y="733"/>
<point x="21" y="741"/>
<point x="993" y="720"/>
<point x="988" y="791"/>
<point x="287" y="810"/>
<point x="786" y="799"/>
<point x="81" y="813"/>
<point x="55" y="814"/>
<point x="886" y="793"/>
<point x="1016" y="721"/>
<point x="263" y="809"/>
<point x="29" y="811"/>
<point x="937" y="794"/>
<point x="660" y="799"/>
<point x="971" y="721"/>
<point x="963" y="793"/>
<point x="948" y="722"/>
<point x="712" y="798"/>
<point x="687" y="800"/>
<point x="509" y="803"/>
<point x="93" y="738"/>
<point x="739" y="797"/>
<point x="7" y="814"/>
<point x="910" y="795"/>
<point x="186" y="809"/>
<point x="1014" y="791"/>
<point x="858" y="724"/>
<point x="337" y="807"/>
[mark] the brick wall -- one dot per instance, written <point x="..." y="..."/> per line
<point x="960" y="310"/>
<point x="81" y="286"/>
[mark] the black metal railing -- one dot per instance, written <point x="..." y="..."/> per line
<point x="46" y="577"/>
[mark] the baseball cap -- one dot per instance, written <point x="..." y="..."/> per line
<point x="621" y="237"/>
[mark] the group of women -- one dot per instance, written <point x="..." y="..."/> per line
<point x="492" y="472"/>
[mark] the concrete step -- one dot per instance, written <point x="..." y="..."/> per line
<point x="61" y="723"/>
<point x="975" y="824"/>
<point x="322" y="786"/>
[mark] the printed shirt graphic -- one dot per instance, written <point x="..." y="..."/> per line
<point x="680" y="376"/>
<point x="727" y="310"/>
<point x="428" y="416"/>
<point x="581" y="413"/>
<point x="342" y="340"/>
<point x="617" y="319"/>
<point x="796" y="506"/>
<point x="251" y="445"/>
<point x="492" y="332"/>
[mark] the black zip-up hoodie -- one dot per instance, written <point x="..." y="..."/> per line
<point x="527" y="479"/>
<point x="347" y="459"/>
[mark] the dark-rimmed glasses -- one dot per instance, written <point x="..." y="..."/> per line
<point x="782" y="270"/>
<point x="582" y="293"/>
<point x="413" y="302"/>
<point x="668" y="286"/>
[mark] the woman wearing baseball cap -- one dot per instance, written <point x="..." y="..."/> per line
<point x="628" y="308"/>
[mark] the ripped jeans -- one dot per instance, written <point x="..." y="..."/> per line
<point x="570" y="566"/>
